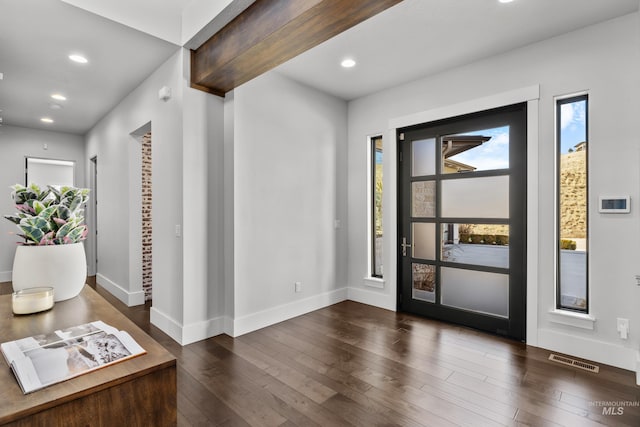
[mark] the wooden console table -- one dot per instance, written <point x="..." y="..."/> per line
<point x="137" y="392"/>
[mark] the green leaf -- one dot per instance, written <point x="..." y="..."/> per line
<point x="18" y="194"/>
<point x="75" y="203"/>
<point x="64" y="212"/>
<point x="36" y="222"/>
<point x="55" y="192"/>
<point x="32" y="192"/>
<point x="76" y="234"/>
<point x="34" y="187"/>
<point x="67" y="192"/>
<point x="15" y="218"/>
<point x="32" y="233"/>
<point x="65" y="229"/>
<point x="44" y="194"/>
<point x="38" y="206"/>
<point x="47" y="212"/>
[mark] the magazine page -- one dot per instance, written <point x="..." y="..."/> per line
<point x="43" y="360"/>
<point x="13" y="349"/>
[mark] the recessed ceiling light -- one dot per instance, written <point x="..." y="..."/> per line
<point x="55" y="106"/>
<point x="59" y="97"/>
<point x="505" y="1"/>
<point x="46" y="120"/>
<point x="78" y="58"/>
<point x="348" y="63"/>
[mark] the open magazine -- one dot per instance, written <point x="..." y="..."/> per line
<point x="47" y="359"/>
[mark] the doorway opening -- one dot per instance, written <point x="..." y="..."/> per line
<point x="147" y="228"/>
<point x="92" y="217"/>
<point x="141" y="221"/>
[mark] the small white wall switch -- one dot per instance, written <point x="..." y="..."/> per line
<point x="623" y="328"/>
<point x="336" y="224"/>
<point x="178" y="230"/>
<point x="298" y="287"/>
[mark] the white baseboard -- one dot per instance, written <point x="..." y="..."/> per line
<point x="166" y="324"/>
<point x="5" y="276"/>
<point x="188" y="334"/>
<point x="228" y="325"/>
<point x="585" y="348"/>
<point x="255" y="321"/>
<point x="129" y="298"/>
<point x="202" y="330"/>
<point x="638" y="368"/>
<point x="370" y="297"/>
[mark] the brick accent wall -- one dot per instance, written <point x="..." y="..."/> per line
<point x="147" y="278"/>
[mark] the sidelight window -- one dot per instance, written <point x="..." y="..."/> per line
<point x="376" y="189"/>
<point x="572" y="203"/>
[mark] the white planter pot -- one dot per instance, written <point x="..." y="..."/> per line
<point x="63" y="267"/>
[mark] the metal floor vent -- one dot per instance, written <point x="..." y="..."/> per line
<point x="576" y="363"/>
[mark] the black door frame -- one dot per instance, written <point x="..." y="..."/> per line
<point x="515" y="325"/>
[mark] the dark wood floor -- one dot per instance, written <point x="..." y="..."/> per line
<point x="352" y="364"/>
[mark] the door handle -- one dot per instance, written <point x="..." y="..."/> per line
<point x="404" y="246"/>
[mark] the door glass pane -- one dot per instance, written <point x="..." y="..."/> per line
<point x="423" y="238"/>
<point x="423" y="161"/>
<point x="423" y="277"/>
<point x="486" y="197"/>
<point x="476" y="151"/>
<point x="477" y="244"/>
<point x="478" y="291"/>
<point x="423" y="199"/>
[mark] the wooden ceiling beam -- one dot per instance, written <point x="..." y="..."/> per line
<point x="269" y="33"/>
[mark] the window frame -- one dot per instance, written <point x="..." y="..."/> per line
<point x="558" y="103"/>
<point x="372" y="178"/>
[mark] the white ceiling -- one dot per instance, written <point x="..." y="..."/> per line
<point x="417" y="38"/>
<point x="412" y="39"/>
<point x="36" y="37"/>
<point x="162" y="18"/>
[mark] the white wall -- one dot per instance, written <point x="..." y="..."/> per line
<point x="111" y="141"/>
<point x="16" y="143"/>
<point x="602" y="59"/>
<point x="203" y="228"/>
<point x="187" y="146"/>
<point x="289" y="151"/>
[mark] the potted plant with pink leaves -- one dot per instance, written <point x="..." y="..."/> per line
<point x="51" y="222"/>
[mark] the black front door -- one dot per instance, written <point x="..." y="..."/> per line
<point x="462" y="220"/>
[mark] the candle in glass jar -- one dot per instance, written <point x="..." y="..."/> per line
<point x="32" y="300"/>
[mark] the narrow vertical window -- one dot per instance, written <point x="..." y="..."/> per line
<point x="376" y="206"/>
<point x="572" y="203"/>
